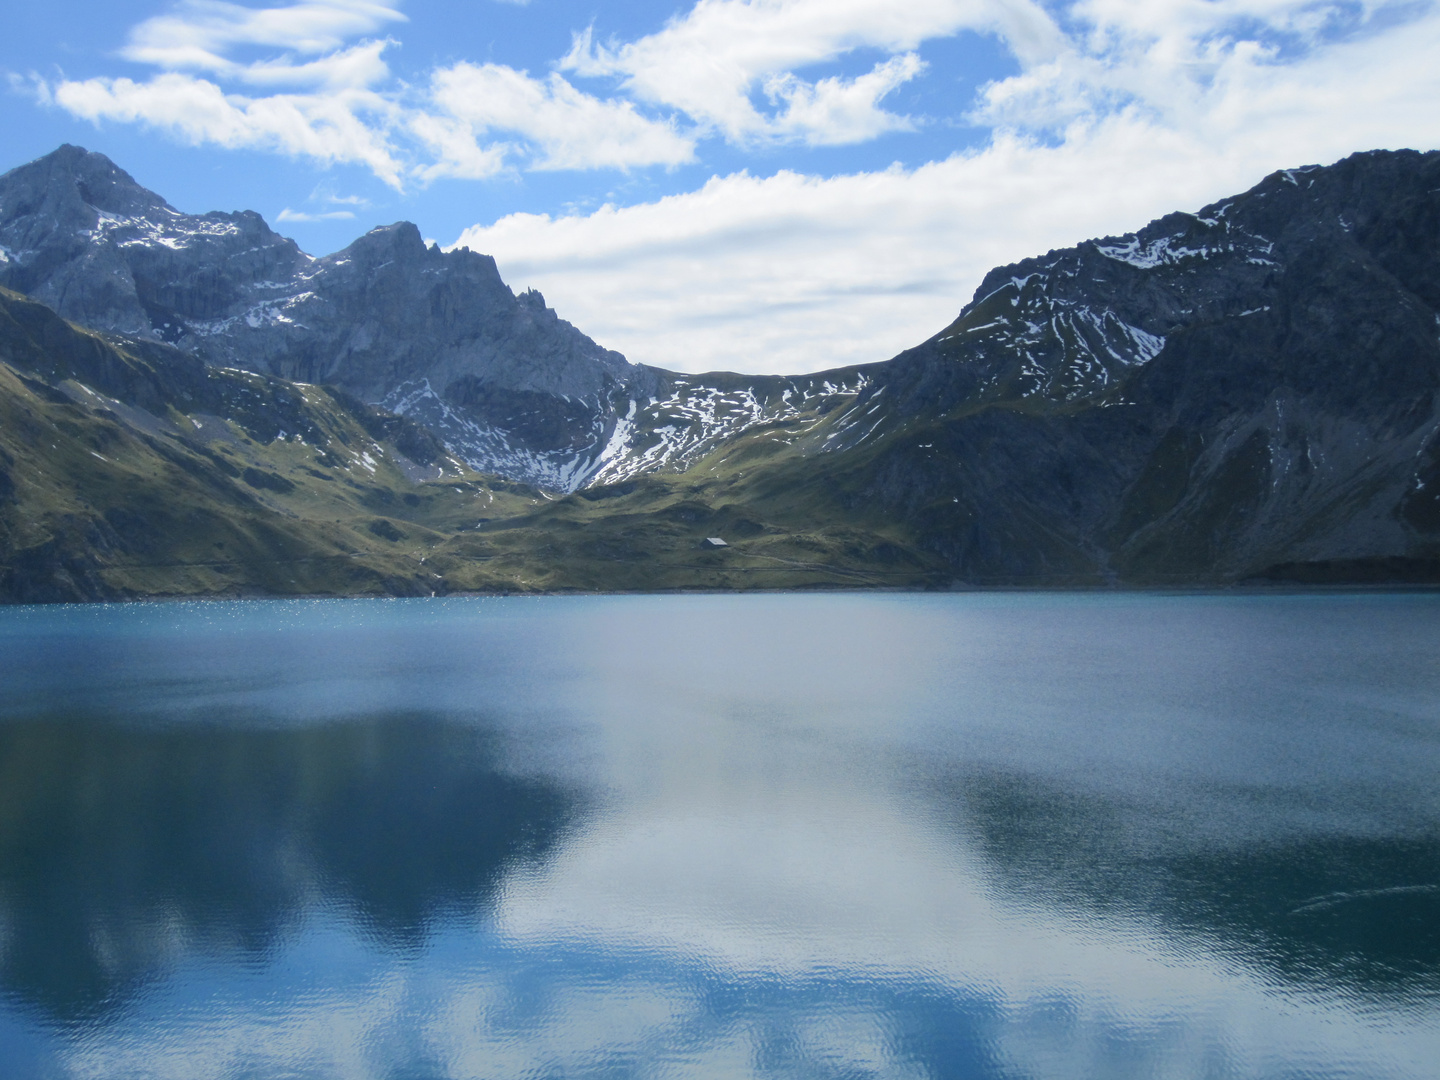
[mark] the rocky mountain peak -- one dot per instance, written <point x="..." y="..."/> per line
<point x="400" y="242"/>
<point x="72" y="177"/>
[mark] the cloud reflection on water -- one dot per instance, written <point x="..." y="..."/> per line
<point x="719" y="836"/>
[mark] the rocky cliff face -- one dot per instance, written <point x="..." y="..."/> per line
<point x="388" y="319"/>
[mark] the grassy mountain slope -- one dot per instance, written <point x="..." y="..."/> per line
<point x="786" y="524"/>
<point x="130" y="469"/>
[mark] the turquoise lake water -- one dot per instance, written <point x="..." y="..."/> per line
<point x="996" y="835"/>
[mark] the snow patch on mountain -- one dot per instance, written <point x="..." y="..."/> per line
<point x="489" y="448"/>
<point x="1177" y="248"/>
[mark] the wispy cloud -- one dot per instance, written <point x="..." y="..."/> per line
<point x="197" y="34"/>
<point x="835" y="111"/>
<point x="732" y="69"/>
<point x="332" y="128"/>
<point x="1175" y="61"/>
<point x="301" y="215"/>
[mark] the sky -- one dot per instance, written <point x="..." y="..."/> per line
<point x="773" y="186"/>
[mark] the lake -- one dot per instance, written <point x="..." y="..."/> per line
<point x="869" y="835"/>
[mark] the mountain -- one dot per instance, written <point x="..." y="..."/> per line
<point x="1247" y="390"/>
<point x="516" y="389"/>
<point x="507" y="385"/>
<point x="1244" y="393"/>
<point x="129" y="468"/>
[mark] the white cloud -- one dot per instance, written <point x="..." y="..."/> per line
<point x="455" y="149"/>
<point x="337" y="117"/>
<point x="300" y="215"/>
<point x="837" y="111"/>
<point x="342" y="105"/>
<point x="709" y="62"/>
<point x="359" y="66"/>
<point x="795" y="273"/>
<point x="198" y="33"/>
<point x="560" y="127"/>
<point x="332" y="128"/>
<point x="1174" y="60"/>
<point x="790" y="272"/>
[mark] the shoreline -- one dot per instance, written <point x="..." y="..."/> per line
<point x="1248" y="588"/>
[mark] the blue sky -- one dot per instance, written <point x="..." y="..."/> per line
<point x="758" y="185"/>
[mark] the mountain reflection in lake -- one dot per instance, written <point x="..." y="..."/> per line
<point x="122" y="848"/>
<point x="947" y="836"/>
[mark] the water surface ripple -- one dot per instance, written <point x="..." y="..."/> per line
<point x="978" y="836"/>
